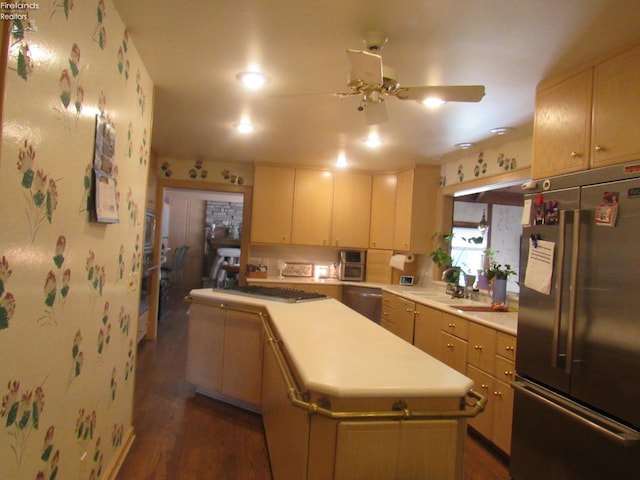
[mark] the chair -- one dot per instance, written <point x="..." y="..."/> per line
<point x="172" y="273"/>
<point x="225" y="257"/>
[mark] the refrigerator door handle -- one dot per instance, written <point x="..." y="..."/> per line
<point x="575" y="256"/>
<point x="604" y="426"/>
<point x="557" y="313"/>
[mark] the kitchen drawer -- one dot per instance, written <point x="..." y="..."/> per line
<point x="481" y="349"/>
<point x="453" y="352"/>
<point x="387" y="299"/>
<point x="454" y="325"/>
<point x="506" y="345"/>
<point x="504" y="370"/>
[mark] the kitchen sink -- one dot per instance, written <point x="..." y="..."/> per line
<point x="478" y="308"/>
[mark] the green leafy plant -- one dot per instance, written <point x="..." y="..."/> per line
<point x="495" y="269"/>
<point x="440" y="255"/>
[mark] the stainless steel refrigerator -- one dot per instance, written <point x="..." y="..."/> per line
<point x="577" y="389"/>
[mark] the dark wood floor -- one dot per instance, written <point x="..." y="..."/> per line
<point x="183" y="435"/>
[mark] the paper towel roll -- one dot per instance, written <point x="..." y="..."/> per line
<point x="398" y="260"/>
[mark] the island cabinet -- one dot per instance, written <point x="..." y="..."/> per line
<point x="383" y="207"/>
<point x="415" y="208"/>
<point x="587" y="118"/>
<point x="491" y="357"/>
<point x="271" y="212"/>
<point x="398" y="316"/>
<point x="224" y="354"/>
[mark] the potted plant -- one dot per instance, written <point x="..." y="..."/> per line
<point x="441" y="255"/>
<point x="498" y="274"/>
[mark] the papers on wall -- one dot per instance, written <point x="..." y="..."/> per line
<point x="526" y="213"/>
<point x="540" y="266"/>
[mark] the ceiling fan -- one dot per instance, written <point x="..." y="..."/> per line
<point x="375" y="82"/>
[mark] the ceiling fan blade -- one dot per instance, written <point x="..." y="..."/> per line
<point x="365" y="66"/>
<point x="376" y="113"/>
<point x="448" y="93"/>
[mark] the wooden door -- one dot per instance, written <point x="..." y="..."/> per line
<point x="427" y="330"/>
<point x="561" y="128"/>
<point x="272" y="206"/>
<point x="383" y="208"/>
<point x="616" y="103"/>
<point x="312" y="204"/>
<point x="403" y="211"/>
<point x="205" y="347"/>
<point x="351" y="210"/>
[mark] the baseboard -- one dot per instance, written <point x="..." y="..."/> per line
<point x="111" y="471"/>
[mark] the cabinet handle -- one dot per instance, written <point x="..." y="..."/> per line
<point x="407" y="309"/>
<point x="452" y="325"/>
<point x="576" y="154"/>
<point x="478" y="347"/>
<point x="284" y="237"/>
<point x="508" y="373"/>
<point x="510" y="349"/>
<point x="497" y="394"/>
<point x="484" y="386"/>
<point x="449" y="345"/>
<point x="600" y="148"/>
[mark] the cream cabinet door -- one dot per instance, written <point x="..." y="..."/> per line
<point x="312" y="205"/>
<point x="403" y="211"/>
<point x="383" y="210"/>
<point x="616" y="104"/>
<point x="272" y="205"/>
<point x="351" y="210"/>
<point x="427" y="330"/>
<point x="205" y="347"/>
<point x="242" y="364"/>
<point x="561" y="128"/>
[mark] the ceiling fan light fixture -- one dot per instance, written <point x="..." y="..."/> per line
<point x="464" y="145"/>
<point x="433" y="102"/>
<point x="253" y="80"/>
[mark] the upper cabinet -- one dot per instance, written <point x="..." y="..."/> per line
<point x="383" y="210"/>
<point x="588" y="119"/>
<point x="272" y="204"/>
<point x="312" y="199"/>
<point x="616" y="105"/>
<point x="351" y="210"/>
<point x="415" y="208"/>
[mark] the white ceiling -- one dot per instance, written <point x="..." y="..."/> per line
<point x="193" y="49"/>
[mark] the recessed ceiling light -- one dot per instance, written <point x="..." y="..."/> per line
<point x="463" y="146"/>
<point x="373" y="141"/>
<point x="342" y="160"/>
<point x="244" y="127"/>
<point x="433" y="102"/>
<point x="500" y="130"/>
<point x="253" y="80"/>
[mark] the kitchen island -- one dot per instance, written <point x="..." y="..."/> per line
<point x="340" y="396"/>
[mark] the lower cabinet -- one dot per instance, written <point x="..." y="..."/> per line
<point x="485" y="355"/>
<point x="398" y="316"/>
<point x="224" y="354"/>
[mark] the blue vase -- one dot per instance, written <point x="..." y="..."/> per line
<point x="500" y="290"/>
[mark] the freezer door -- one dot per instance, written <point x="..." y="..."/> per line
<point x="555" y="438"/>
<point x="542" y="334"/>
<point x="605" y="369"/>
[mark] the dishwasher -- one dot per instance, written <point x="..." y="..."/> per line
<point x="364" y="300"/>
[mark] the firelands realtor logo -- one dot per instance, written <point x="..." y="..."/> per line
<point x="16" y="11"/>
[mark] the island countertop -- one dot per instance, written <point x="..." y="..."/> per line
<point x="340" y="353"/>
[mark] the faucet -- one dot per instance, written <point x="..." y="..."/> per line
<point x="454" y="289"/>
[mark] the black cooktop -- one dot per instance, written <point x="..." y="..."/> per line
<point x="278" y="294"/>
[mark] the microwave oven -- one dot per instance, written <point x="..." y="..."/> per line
<point x="352" y="265"/>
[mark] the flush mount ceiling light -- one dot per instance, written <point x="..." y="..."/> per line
<point x="500" y="130"/>
<point x="244" y="127"/>
<point x="432" y="102"/>
<point x="253" y="80"/>
<point x="373" y="141"/>
<point x="464" y="146"/>
<point x="342" y="160"/>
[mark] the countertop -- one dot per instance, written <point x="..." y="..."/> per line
<point x="432" y="296"/>
<point x="338" y="352"/>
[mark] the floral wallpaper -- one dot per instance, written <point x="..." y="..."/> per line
<point x="199" y="170"/>
<point x="508" y="157"/>
<point x="69" y="287"/>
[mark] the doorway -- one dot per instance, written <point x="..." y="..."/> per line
<point x="192" y="189"/>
